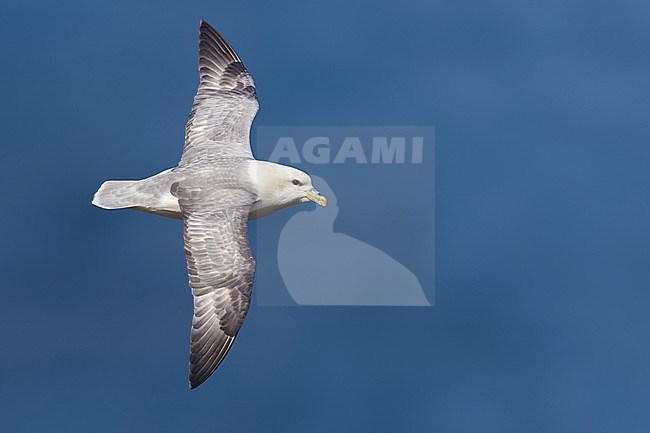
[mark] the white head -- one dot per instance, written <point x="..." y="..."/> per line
<point x="280" y="185"/>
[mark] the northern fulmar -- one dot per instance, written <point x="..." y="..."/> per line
<point x="215" y="189"/>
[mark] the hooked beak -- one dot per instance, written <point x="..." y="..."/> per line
<point x="315" y="196"/>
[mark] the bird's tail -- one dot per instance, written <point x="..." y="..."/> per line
<point x="118" y="194"/>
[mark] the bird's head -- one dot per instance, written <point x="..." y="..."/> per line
<point x="295" y="186"/>
<point x="284" y="185"/>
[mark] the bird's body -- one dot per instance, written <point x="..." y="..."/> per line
<point x="153" y="194"/>
<point x="215" y="189"/>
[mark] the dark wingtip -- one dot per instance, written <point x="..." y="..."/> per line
<point x="195" y="382"/>
<point x="214" y="47"/>
<point x="205" y="26"/>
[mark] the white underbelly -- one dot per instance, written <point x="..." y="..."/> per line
<point x="166" y="206"/>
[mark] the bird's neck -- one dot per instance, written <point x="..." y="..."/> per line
<point x="264" y="176"/>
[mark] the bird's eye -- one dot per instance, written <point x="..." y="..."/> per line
<point x="296" y="182"/>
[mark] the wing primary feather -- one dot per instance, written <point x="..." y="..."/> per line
<point x="220" y="267"/>
<point x="225" y="103"/>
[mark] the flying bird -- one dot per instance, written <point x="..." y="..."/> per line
<point x="215" y="189"/>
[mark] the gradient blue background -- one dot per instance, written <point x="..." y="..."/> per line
<point x="541" y="321"/>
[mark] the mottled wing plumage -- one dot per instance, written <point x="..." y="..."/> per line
<point x="225" y="103"/>
<point x="221" y="269"/>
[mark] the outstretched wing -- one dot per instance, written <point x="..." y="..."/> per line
<point x="225" y="103"/>
<point x="221" y="269"/>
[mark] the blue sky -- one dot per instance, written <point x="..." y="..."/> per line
<point x="542" y="218"/>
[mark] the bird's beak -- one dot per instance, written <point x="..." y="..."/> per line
<point x="315" y="196"/>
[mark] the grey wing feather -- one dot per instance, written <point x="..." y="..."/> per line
<point x="221" y="269"/>
<point x="225" y="103"/>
